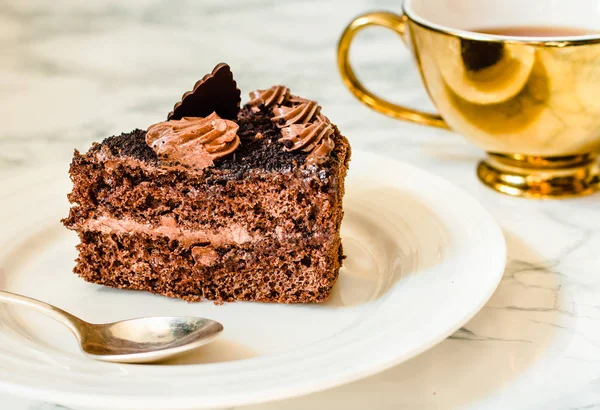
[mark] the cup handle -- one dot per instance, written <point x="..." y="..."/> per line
<point x="395" y="23"/>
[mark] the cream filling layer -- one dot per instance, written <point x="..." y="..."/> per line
<point x="232" y="234"/>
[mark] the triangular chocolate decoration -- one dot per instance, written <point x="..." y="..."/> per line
<point x="216" y="92"/>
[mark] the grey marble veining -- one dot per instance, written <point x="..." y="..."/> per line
<point x="74" y="72"/>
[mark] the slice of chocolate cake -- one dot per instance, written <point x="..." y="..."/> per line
<point x="217" y="202"/>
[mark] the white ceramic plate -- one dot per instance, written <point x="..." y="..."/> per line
<point x="423" y="258"/>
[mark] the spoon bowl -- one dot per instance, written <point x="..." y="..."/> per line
<point x="142" y="340"/>
<point x="146" y="339"/>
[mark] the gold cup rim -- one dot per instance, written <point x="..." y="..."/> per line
<point x="563" y="41"/>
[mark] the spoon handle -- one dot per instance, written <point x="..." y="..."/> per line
<point x="51" y="311"/>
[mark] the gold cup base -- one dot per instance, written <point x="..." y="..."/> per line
<point x="541" y="177"/>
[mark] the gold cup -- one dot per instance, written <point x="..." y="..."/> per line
<point x="533" y="104"/>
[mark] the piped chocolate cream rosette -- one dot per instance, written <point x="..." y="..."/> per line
<point x="303" y="127"/>
<point x="275" y="95"/>
<point x="314" y="138"/>
<point x="193" y="141"/>
<point x="301" y="113"/>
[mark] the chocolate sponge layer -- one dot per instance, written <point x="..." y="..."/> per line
<point x="259" y="272"/>
<point x="277" y="205"/>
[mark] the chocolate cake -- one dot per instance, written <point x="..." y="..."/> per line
<point x="219" y="202"/>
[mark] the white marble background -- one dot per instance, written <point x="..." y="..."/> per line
<point x="72" y="72"/>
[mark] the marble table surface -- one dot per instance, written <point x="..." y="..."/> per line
<point x="72" y="72"/>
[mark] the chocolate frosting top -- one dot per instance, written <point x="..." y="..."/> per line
<point x="192" y="141"/>
<point x="215" y="92"/>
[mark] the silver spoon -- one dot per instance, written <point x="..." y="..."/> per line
<point x="141" y="340"/>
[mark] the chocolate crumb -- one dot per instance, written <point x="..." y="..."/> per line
<point x="132" y="144"/>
